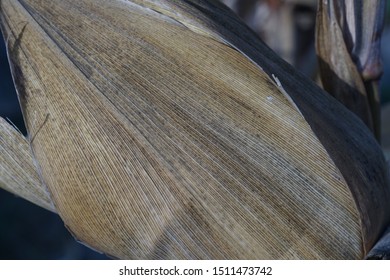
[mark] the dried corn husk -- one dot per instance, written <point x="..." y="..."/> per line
<point x="348" y="37"/>
<point x="167" y="129"/>
<point x="18" y="173"/>
<point x="381" y="250"/>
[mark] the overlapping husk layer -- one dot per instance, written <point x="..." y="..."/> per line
<point x="168" y="130"/>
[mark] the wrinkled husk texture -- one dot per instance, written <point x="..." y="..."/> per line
<point x="168" y="130"/>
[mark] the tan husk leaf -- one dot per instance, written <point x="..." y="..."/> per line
<point x="167" y="129"/>
<point x="18" y="174"/>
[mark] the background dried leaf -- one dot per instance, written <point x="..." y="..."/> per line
<point x="348" y="46"/>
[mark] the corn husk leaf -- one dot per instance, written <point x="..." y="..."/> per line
<point x="348" y="35"/>
<point x="18" y="173"/>
<point x="167" y="129"/>
<point x="381" y="250"/>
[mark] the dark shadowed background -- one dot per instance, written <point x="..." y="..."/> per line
<point x="30" y="232"/>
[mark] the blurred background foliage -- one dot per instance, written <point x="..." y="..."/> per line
<point x="287" y="26"/>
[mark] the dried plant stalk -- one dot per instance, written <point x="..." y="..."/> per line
<point x="167" y="129"/>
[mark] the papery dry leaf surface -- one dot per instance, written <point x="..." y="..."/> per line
<point x="160" y="133"/>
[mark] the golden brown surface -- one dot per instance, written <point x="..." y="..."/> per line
<point x="18" y="173"/>
<point x="158" y="139"/>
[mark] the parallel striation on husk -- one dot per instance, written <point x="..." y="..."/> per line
<point x="161" y="133"/>
<point x="18" y="173"/>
